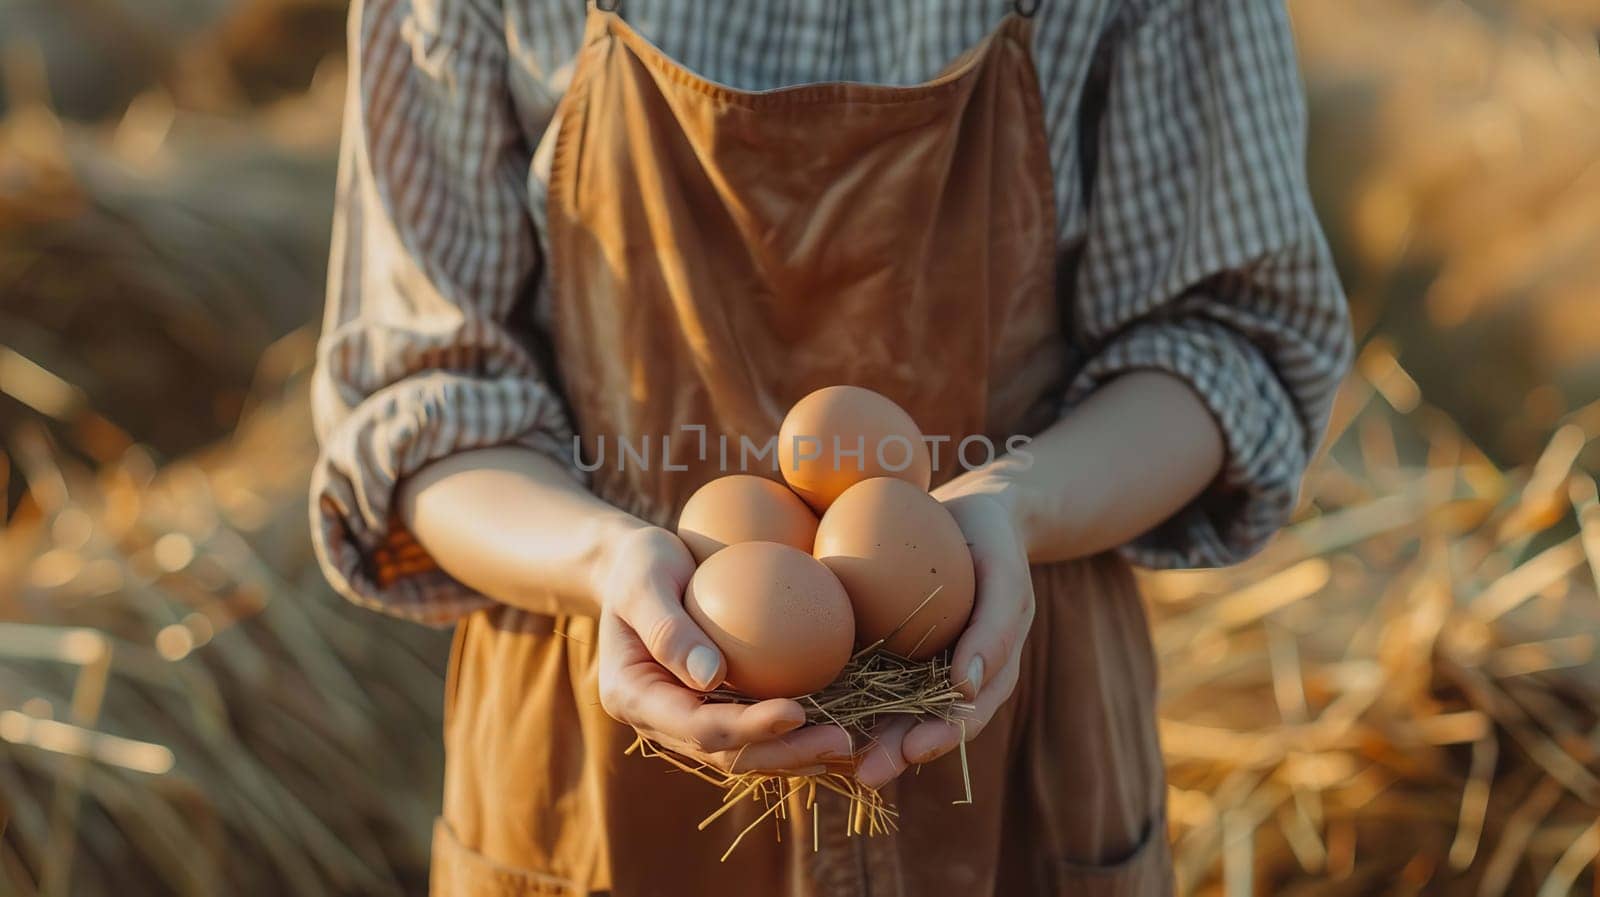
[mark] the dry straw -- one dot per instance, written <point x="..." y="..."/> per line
<point x="874" y="686"/>
<point x="1400" y="694"/>
<point x="185" y="709"/>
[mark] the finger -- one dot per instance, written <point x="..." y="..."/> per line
<point x="636" y="690"/>
<point x="657" y="616"/>
<point x="809" y="747"/>
<point x="884" y="759"/>
<point x="928" y="741"/>
<point x="1001" y="617"/>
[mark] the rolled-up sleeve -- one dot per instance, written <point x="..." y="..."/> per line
<point x="425" y="349"/>
<point x="1204" y="259"/>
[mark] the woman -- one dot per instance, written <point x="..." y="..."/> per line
<point x="1085" y="222"/>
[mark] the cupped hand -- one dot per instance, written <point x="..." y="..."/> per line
<point x="988" y="656"/>
<point x="656" y="665"/>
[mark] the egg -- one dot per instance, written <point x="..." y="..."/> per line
<point x="781" y="619"/>
<point x="893" y="545"/>
<point x="841" y="435"/>
<point x="744" y="508"/>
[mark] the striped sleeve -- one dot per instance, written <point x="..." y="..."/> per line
<point x="1204" y="259"/>
<point x="434" y="255"/>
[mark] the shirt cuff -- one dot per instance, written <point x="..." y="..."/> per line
<point x="362" y="545"/>
<point x="1264" y="435"/>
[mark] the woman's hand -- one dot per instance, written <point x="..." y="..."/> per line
<point x="656" y="664"/>
<point x="988" y="656"/>
<point x="1128" y="457"/>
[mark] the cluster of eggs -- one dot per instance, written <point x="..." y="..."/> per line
<point x="849" y="551"/>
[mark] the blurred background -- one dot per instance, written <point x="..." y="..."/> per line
<point x="1399" y="696"/>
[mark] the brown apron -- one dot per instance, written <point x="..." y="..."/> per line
<point x="716" y="255"/>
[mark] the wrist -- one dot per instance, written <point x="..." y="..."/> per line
<point x="627" y="547"/>
<point x="1051" y="512"/>
<point x="998" y="484"/>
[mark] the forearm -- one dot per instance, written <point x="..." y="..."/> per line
<point x="514" y="525"/>
<point x="1126" y="459"/>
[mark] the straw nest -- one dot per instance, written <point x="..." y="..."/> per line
<point x="874" y="686"/>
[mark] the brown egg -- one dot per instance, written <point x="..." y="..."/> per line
<point x="783" y="621"/>
<point x="893" y="545"/>
<point x="744" y="508"/>
<point x="818" y="441"/>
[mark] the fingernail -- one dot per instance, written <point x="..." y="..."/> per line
<point x="703" y="663"/>
<point x="834" y="755"/>
<point x="974" y="674"/>
<point x="927" y="756"/>
<point x="784" y="726"/>
<point x="809" y="771"/>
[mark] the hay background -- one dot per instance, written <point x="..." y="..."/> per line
<point x="1398" y="696"/>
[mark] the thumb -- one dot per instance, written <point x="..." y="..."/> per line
<point x="673" y="639"/>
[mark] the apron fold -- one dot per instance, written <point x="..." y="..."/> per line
<point x="1148" y="870"/>
<point x="461" y="872"/>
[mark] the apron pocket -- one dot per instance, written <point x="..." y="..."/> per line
<point x="459" y="871"/>
<point x="1145" y="872"/>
